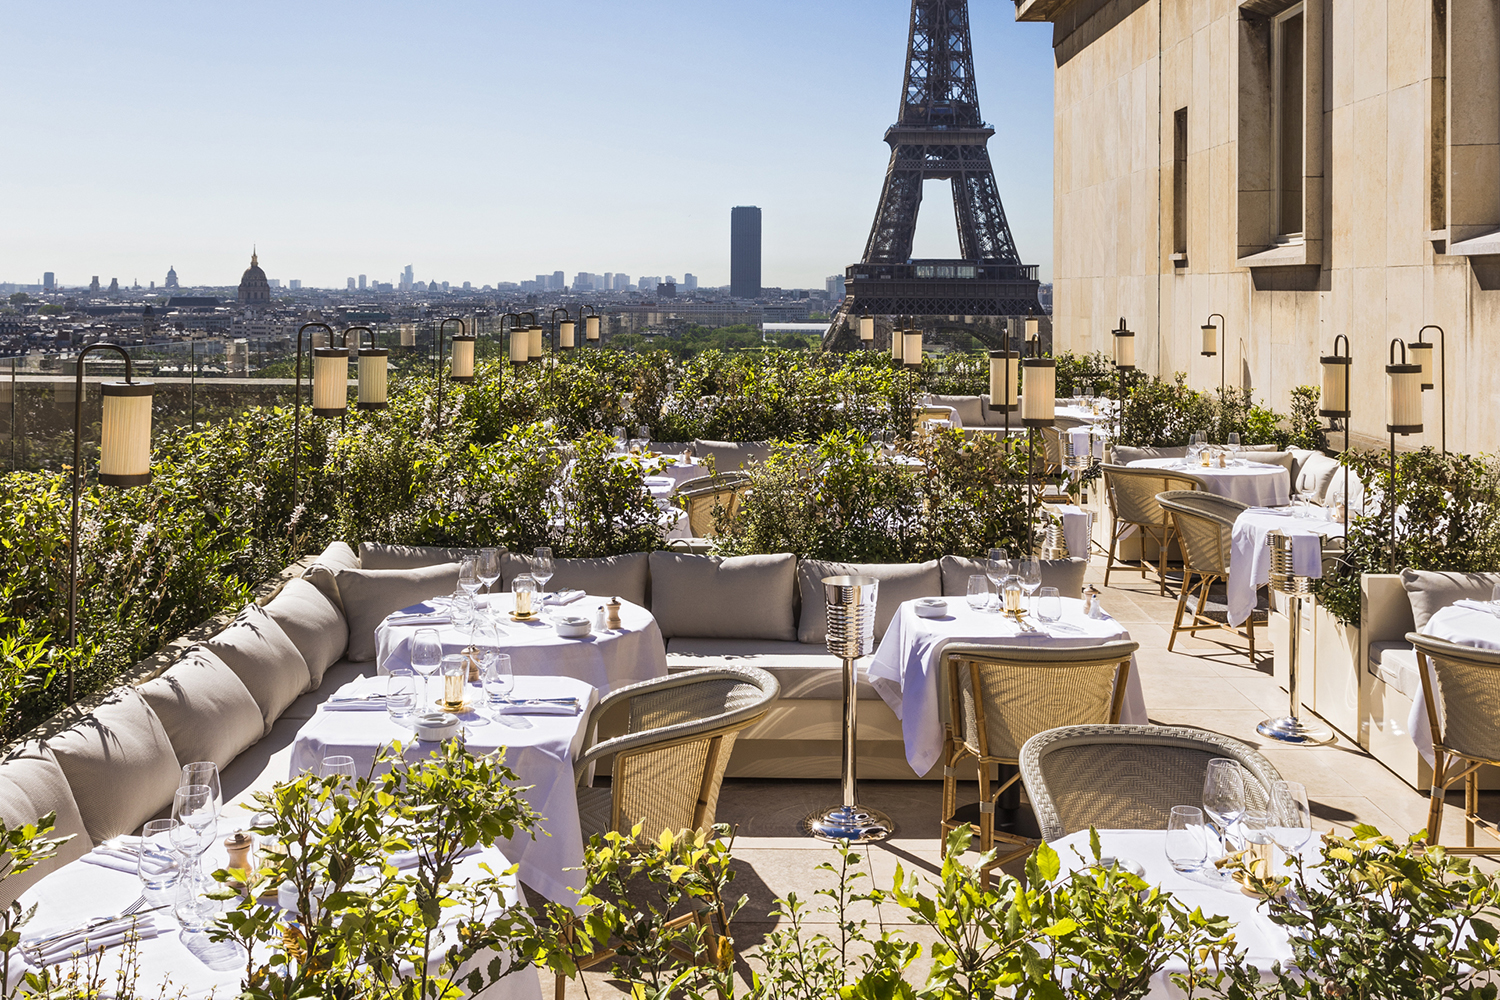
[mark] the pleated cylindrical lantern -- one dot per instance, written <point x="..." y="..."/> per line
<point x="1419" y="352"/>
<point x="1004" y="366"/>
<point x="372" y="378"/>
<point x="1335" y="395"/>
<point x="591" y="328"/>
<point x="534" y="343"/>
<point x="1403" y="413"/>
<point x="867" y="328"/>
<point x="1124" y="348"/>
<point x="408" y="335"/>
<point x="898" y="344"/>
<point x="330" y="381"/>
<point x="565" y="335"/>
<point x="461" y="368"/>
<point x="1210" y="340"/>
<point x="520" y="341"/>
<point x="1038" y="392"/>
<point x="911" y="351"/>
<point x="125" y="434"/>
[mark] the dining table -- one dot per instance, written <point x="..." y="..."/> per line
<point x="1468" y="623"/>
<point x="1254" y="484"/>
<point x="907" y="667"/>
<point x="605" y="658"/>
<point x="1250" y="550"/>
<point x="98" y="885"/>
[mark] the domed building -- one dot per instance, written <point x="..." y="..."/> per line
<point x="255" y="290"/>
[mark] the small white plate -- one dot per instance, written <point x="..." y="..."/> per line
<point x="932" y="607"/>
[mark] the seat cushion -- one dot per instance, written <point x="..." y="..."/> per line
<point x="1314" y="471"/>
<point x="264" y="659"/>
<point x="372" y="594"/>
<point x="1396" y="664"/>
<point x="718" y="597"/>
<point x="970" y="409"/>
<point x="1429" y="590"/>
<point x="805" y="672"/>
<point x="324" y="570"/>
<point x="206" y="710"/>
<point x="732" y="456"/>
<point x="314" y="624"/>
<point x="120" y="765"/>
<point x="1064" y="574"/>
<point x="626" y="576"/>
<point x="32" y="784"/>
<point x="898" y="582"/>
<point x="378" y="555"/>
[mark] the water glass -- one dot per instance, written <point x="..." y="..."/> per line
<point x="1049" y="605"/>
<point x="157" y="863"/>
<point x="1258" y="842"/>
<point x="401" y="697"/>
<point x="1187" y="839"/>
<point x="524" y="588"/>
<point x="979" y="591"/>
<point x="337" y="766"/>
<point x="195" y="829"/>
<point x="499" y="680"/>
<point x="1233" y="444"/>
<point x="487" y="568"/>
<point x="461" y="608"/>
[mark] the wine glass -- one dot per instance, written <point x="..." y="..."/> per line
<point x="542" y="568"/>
<point x="1224" y="795"/>
<point x="1187" y="839"/>
<point x="337" y="766"/>
<point x="1233" y="444"/>
<point x="997" y="568"/>
<point x="1291" y="819"/>
<point x="426" y="657"/>
<point x="204" y="772"/>
<point x="197" y="819"/>
<point x="468" y="576"/>
<point x="1049" y="605"/>
<point x="1030" y="572"/>
<point x="487" y="568"/>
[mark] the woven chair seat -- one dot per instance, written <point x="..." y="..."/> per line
<point x="1204" y="525"/>
<point x="703" y="496"/>
<point x="1132" y="503"/>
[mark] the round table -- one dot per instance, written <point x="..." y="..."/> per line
<point x="1254" y="484"/>
<point x="607" y="659"/>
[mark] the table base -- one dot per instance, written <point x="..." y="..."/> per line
<point x="1290" y="729"/>
<point x="853" y="824"/>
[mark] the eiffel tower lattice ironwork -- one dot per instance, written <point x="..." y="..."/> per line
<point x="940" y="135"/>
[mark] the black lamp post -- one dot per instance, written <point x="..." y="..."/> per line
<point x="1038" y="409"/>
<point x="124" y="455"/>
<point x="1403" y="416"/>
<point x="330" y="388"/>
<point x="591" y="325"/>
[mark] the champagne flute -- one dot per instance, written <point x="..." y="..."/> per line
<point x="193" y="809"/>
<point x="426" y="657"/>
<point x="1030" y="572"/>
<point x="487" y="568"/>
<point x="542" y="568"/>
<point x="1224" y="795"/>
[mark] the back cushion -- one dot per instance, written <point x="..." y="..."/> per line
<point x="624" y="576"/>
<point x="731" y="456"/>
<point x="324" y="570"/>
<point x="206" y="710"/>
<point x="1430" y="591"/>
<point x="898" y="582"/>
<point x="120" y="765"/>
<point x="372" y="594"/>
<point x="1314" y="472"/>
<point x="31" y="786"/>
<point x="264" y="659"/>
<point x="714" y="597"/>
<point x="315" y="626"/>
<point x="376" y="555"/>
<point x="970" y="412"/>
<point x="1064" y="574"/>
<point x="1281" y="458"/>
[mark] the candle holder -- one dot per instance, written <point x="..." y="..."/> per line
<point x="524" y="588"/>
<point x="455" y="670"/>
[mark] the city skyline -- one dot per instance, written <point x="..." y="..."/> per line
<point x="359" y="157"/>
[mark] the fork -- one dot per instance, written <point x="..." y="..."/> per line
<point x="135" y="907"/>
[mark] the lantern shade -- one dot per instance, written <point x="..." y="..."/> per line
<point x="1033" y="325"/>
<point x="461" y="367"/>
<point x="1004" y="369"/>
<point x="125" y="434"/>
<point x="867" y="328"/>
<point x="565" y="334"/>
<point x="520" y="341"/>
<point x="372" y="378"/>
<point x="1210" y="340"/>
<point x="1335" y="394"/>
<point x="330" y="381"/>
<point x="1124" y="349"/>
<point x="1403" y="413"/>
<point x="911" y="349"/>
<point x="591" y="327"/>
<point x="408" y="335"/>
<point x="1420" y="354"/>
<point x="534" y="342"/>
<point x="898" y="344"/>
<point x="1039" y="392"/>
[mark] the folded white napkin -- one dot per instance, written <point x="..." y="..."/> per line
<point x="568" y="707"/>
<point x="108" y="935"/>
<point x="123" y="859"/>
<point x="1486" y="606"/>
<point x="1307" y="555"/>
<point x="562" y="597"/>
<point x="1278" y="511"/>
<point x="371" y="703"/>
<point x="433" y="619"/>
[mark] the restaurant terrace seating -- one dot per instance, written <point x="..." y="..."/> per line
<point x="1461" y="688"/>
<point x="1132" y="503"/>
<point x="1204" y="525"/>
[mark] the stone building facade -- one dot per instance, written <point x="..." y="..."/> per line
<point x="1307" y="169"/>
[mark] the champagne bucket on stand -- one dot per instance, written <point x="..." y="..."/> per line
<point x="851" y="635"/>
<point x="1284" y="580"/>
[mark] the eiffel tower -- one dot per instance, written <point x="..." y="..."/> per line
<point x="939" y="135"/>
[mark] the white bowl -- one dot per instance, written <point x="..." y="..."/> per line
<point x="572" y="626"/>
<point x="435" y="726"/>
<point x="932" y="607"/>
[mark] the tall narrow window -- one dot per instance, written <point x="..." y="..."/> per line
<point x="1179" y="182"/>
<point x="1438" y="193"/>
<point x="1288" y="63"/>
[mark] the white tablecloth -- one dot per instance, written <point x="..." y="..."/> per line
<point x="80" y="891"/>
<point x="1078" y="411"/>
<point x="607" y="660"/>
<point x="909" y="662"/>
<point x="542" y="757"/>
<point x="1264" y="942"/>
<point x="1468" y="626"/>
<point x="1254" y="484"/>
<point x="1250" y="553"/>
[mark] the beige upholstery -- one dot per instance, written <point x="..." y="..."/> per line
<point x="1461" y="685"/>
<point x="265" y="660"/>
<point x="732" y="456"/>
<point x="1125" y="454"/>
<point x="1355" y="501"/>
<point x="806" y="672"/>
<point x="1430" y="591"/>
<point x="31" y="786"/>
<point x="119" y="764"/>
<point x="969" y="408"/>
<point x="314" y="624"/>
<point x="1204" y="525"/>
<point x="1313" y="474"/>
<point x="1128" y="777"/>
<point x="206" y="710"/>
<point x="372" y="594"/>
<point x="1064" y="574"/>
<point x="324" y="570"/>
<point x="626" y="576"/>
<point x="738" y="597"/>
<point x="1396" y="664"/>
<point x="709" y="501"/>
<point x="898" y="582"/>
<point x="377" y="555"/>
<point x="1132" y="501"/>
<point x="1281" y="458"/>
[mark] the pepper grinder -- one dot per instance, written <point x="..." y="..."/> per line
<point x="613" y="607"/>
<point x="238" y="847"/>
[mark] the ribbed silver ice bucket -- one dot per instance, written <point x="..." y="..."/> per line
<point x="851" y="615"/>
<point x="1284" y="579"/>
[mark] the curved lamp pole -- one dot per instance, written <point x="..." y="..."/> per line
<point x="323" y="393"/>
<point x="1421" y="353"/>
<point x="557" y="340"/>
<point x="460" y="369"/>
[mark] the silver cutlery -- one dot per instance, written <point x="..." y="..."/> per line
<point x="138" y="908"/>
<point x="572" y="702"/>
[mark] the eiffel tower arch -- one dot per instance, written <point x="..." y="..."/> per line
<point x="939" y="135"/>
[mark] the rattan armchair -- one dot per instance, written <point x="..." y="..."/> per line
<point x="1132" y="502"/>
<point x="709" y="499"/>
<point x="1128" y="777"/>
<point x="1001" y="696"/>
<point x="1461" y="685"/>
<point x="1204" y="525"/>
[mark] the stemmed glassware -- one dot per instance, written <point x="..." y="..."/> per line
<point x="487" y="568"/>
<point x="1291" y="819"/>
<point x="426" y="658"/>
<point x="1030" y="572"/>
<point x="1224" y="796"/>
<point x="499" y="682"/>
<point x="337" y="766"/>
<point x="997" y="568"/>
<point x="204" y="772"/>
<point x="542" y="568"/>
<point x="196" y="827"/>
<point x="1233" y="444"/>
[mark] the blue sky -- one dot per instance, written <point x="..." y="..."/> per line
<point x="479" y="141"/>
